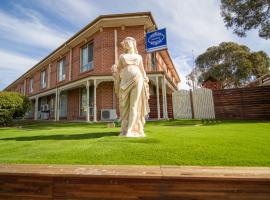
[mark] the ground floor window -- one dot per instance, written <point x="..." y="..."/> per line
<point x="83" y="101"/>
<point x="63" y="104"/>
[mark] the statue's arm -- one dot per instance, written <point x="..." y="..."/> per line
<point x="146" y="80"/>
<point x="143" y="71"/>
<point x="116" y="75"/>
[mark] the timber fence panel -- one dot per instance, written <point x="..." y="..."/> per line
<point x="243" y="103"/>
<point x="203" y="104"/>
<point x="182" y="105"/>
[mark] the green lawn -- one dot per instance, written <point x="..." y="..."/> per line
<point x="183" y="142"/>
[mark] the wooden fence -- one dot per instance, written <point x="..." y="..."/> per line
<point x="239" y="103"/>
<point x="47" y="182"/>
<point x="242" y="103"/>
<point x="182" y="105"/>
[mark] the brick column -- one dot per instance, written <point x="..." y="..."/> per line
<point x="70" y="65"/>
<point x="49" y="76"/>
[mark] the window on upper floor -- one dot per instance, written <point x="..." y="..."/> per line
<point x="87" y="55"/>
<point x="43" y="79"/>
<point x="61" y="70"/>
<point x="31" y="85"/>
<point x="153" y="61"/>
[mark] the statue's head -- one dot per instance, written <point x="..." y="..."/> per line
<point x="129" y="45"/>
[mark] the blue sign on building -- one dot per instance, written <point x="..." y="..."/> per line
<point x="156" y="40"/>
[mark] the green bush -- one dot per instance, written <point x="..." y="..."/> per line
<point x="12" y="105"/>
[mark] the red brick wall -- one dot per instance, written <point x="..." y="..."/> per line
<point x="73" y="104"/>
<point x="170" y="106"/>
<point x="36" y="82"/>
<point x="104" y="97"/>
<point x="136" y="32"/>
<point x="153" y="106"/>
<point x="53" y="73"/>
<point x="213" y="85"/>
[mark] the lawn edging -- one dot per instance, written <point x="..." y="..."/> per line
<point x="156" y="182"/>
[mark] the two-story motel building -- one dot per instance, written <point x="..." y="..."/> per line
<point x="74" y="82"/>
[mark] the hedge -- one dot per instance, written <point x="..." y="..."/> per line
<point x="12" y="105"/>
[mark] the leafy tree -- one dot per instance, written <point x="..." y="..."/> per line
<point x="244" y="15"/>
<point x="233" y="65"/>
<point x="259" y="59"/>
<point x="12" y="105"/>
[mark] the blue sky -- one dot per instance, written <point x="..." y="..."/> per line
<point x="31" y="29"/>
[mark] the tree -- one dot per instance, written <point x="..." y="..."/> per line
<point x="12" y="105"/>
<point x="233" y="65"/>
<point x="192" y="78"/>
<point x="244" y="15"/>
<point x="260" y="60"/>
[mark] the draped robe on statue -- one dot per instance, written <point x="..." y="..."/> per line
<point x="132" y="88"/>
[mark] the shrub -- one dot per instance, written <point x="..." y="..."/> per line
<point x="12" y="105"/>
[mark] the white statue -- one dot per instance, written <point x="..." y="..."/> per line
<point x="131" y="86"/>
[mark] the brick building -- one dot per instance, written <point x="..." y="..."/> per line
<point x="212" y="83"/>
<point x="74" y="82"/>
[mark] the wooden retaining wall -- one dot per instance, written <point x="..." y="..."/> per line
<point x="43" y="182"/>
<point x="242" y="103"/>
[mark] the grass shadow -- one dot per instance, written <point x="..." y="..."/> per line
<point x="48" y="125"/>
<point x="64" y="137"/>
<point x="175" y="123"/>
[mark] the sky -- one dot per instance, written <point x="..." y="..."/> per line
<point x="31" y="29"/>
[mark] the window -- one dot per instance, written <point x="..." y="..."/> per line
<point x="43" y="79"/>
<point x="87" y="57"/>
<point x="22" y="89"/>
<point x="31" y="85"/>
<point x="83" y="101"/>
<point x="61" y="70"/>
<point x="153" y="61"/>
<point x="63" y="101"/>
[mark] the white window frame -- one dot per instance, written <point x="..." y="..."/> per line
<point x="61" y="70"/>
<point x="43" y="79"/>
<point x="31" y="85"/>
<point x="89" y="65"/>
<point x="82" y="106"/>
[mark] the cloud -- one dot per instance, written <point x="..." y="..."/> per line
<point x="12" y="66"/>
<point x="183" y="65"/>
<point x="30" y="31"/>
<point x="77" y="12"/>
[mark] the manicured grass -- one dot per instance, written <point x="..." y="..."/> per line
<point x="183" y="142"/>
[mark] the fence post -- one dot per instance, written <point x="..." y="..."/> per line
<point x="191" y="103"/>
